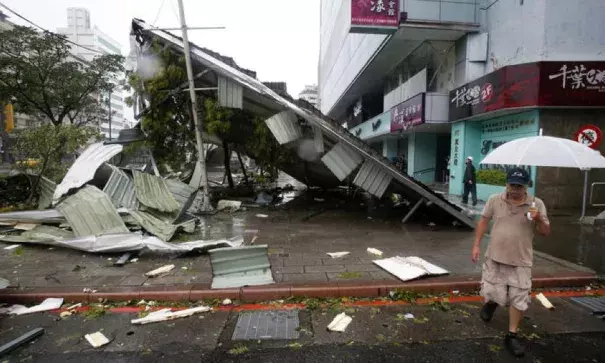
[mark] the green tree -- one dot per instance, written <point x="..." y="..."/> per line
<point x="41" y="150"/>
<point x="40" y="76"/>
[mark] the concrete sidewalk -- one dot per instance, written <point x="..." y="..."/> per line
<point x="298" y="258"/>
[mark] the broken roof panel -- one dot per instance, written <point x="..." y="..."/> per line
<point x="85" y="167"/>
<point x="259" y="97"/>
<point x="161" y="227"/>
<point x="47" y="189"/>
<point x="152" y="191"/>
<point x="120" y="189"/>
<point x="341" y="160"/>
<point x="183" y="194"/>
<point x="284" y="126"/>
<point x="89" y="212"/>
<point x="372" y="179"/>
<point x="242" y="266"/>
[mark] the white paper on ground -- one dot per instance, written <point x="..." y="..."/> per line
<point x="167" y="314"/>
<point x="12" y="247"/>
<point x="338" y="254"/>
<point x="159" y="271"/>
<point x="408" y="316"/>
<point x="48" y="304"/>
<point x="374" y="251"/>
<point x="409" y="268"/>
<point x="97" y="339"/>
<point x="340" y="323"/>
<point x="541" y="298"/>
<point x="232" y="205"/>
<point x="262" y="216"/>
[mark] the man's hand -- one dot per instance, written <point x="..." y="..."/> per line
<point x="475" y="254"/>
<point x="470" y="182"/>
<point x="535" y="215"/>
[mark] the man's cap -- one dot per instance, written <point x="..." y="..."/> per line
<point x="517" y="176"/>
<point x="469" y="158"/>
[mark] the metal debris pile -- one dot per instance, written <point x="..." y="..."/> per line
<point x="103" y="207"/>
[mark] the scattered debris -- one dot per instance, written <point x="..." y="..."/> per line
<point x="75" y="306"/>
<point x="123" y="259"/>
<point x="230" y="205"/>
<point x="319" y="200"/>
<point x="86" y="290"/>
<point x="541" y="298"/>
<point x="25" y="226"/>
<point x="408" y="316"/>
<point x="340" y="323"/>
<point x="97" y="339"/>
<point x="65" y="314"/>
<point x="134" y="260"/>
<point x="168" y="314"/>
<point x="262" y="216"/>
<point x="337" y="254"/>
<point x="12" y="247"/>
<point x="455" y="292"/>
<point x="160" y="271"/>
<point x="264" y="198"/>
<point x="240" y="266"/>
<point x="409" y="268"/>
<point x="22" y="340"/>
<point x="374" y="251"/>
<point x="253" y="240"/>
<point x="46" y="305"/>
<point x="4" y="283"/>
<point x="227" y="302"/>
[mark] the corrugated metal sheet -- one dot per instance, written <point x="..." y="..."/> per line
<point x="230" y="93"/>
<point x="140" y="159"/>
<point x="595" y="304"/>
<point x="182" y="193"/>
<point x="241" y="266"/>
<point x="89" y="212"/>
<point x="85" y="166"/>
<point x="160" y="227"/>
<point x="120" y="189"/>
<point x="341" y="160"/>
<point x="284" y="126"/>
<point x="152" y="191"/>
<point x="409" y="268"/>
<point x="372" y="179"/>
<point x="33" y="216"/>
<point x="47" y="189"/>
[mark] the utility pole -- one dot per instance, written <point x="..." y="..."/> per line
<point x="198" y="123"/>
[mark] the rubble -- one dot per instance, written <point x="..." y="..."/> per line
<point x="46" y="305"/>
<point x="337" y="254"/>
<point x="97" y="339"/>
<point x="340" y="323"/>
<point x="168" y="314"/>
<point x="544" y="301"/>
<point x="409" y="268"/>
<point x="160" y="271"/>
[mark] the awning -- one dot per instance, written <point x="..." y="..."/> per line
<point x="338" y="143"/>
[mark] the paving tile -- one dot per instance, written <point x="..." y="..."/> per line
<point x="290" y="269"/>
<point x="329" y="268"/>
<point x="341" y="261"/>
<point x="361" y="268"/>
<point x="349" y="276"/>
<point x="382" y="275"/>
<point x="134" y="280"/>
<point x="315" y="262"/>
<point x="306" y="277"/>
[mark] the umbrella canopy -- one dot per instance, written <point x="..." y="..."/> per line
<point x="546" y="151"/>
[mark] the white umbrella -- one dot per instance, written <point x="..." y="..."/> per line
<point x="548" y="151"/>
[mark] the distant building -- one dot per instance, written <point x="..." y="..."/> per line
<point x="79" y="31"/>
<point x="309" y="94"/>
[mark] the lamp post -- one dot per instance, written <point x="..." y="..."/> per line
<point x="109" y="119"/>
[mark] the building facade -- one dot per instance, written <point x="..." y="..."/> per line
<point x="458" y="78"/>
<point x="309" y="94"/>
<point x="80" y="31"/>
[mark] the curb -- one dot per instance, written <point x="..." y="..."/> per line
<point x="564" y="263"/>
<point x="197" y="292"/>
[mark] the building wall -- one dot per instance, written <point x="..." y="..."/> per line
<point x="544" y="30"/>
<point x="562" y="187"/>
<point x="422" y="156"/>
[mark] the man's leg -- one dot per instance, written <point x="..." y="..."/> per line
<point x="474" y="193"/>
<point x="465" y="194"/>
<point x="518" y="299"/>
<point x="514" y="318"/>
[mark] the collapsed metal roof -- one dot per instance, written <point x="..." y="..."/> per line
<point x="347" y="159"/>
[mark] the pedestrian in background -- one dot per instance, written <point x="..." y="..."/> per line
<point x="506" y="273"/>
<point x="470" y="179"/>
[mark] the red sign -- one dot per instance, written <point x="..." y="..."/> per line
<point x="589" y="135"/>
<point x="408" y="113"/>
<point x="374" y="16"/>
<point x="542" y="84"/>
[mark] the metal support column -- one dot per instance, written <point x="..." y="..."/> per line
<point x="412" y="211"/>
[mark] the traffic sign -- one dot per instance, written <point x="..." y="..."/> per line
<point x="589" y="135"/>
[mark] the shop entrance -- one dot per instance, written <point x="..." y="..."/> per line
<point x="442" y="155"/>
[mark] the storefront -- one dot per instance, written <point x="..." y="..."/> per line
<point x="515" y="102"/>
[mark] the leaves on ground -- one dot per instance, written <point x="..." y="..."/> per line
<point x="350" y="275"/>
<point x="94" y="312"/>
<point x="238" y="349"/>
<point x="494" y="348"/>
<point x="295" y="346"/>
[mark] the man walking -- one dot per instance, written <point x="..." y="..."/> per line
<point x="469" y="181"/>
<point x="506" y="275"/>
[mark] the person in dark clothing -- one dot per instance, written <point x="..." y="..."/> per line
<point x="470" y="182"/>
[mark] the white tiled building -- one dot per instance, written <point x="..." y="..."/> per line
<point x="80" y="31"/>
<point x="309" y="94"/>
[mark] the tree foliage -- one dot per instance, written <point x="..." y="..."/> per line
<point x="45" y="150"/>
<point x="40" y="76"/>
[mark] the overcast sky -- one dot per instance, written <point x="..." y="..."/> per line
<point x="279" y="39"/>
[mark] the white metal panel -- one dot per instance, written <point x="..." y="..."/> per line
<point x="372" y="179"/>
<point x="477" y="47"/>
<point x="284" y="126"/>
<point x="436" y="109"/>
<point x="409" y="268"/>
<point x="230" y="93"/>
<point x="342" y="160"/>
<point x="85" y="167"/>
<point x="318" y="139"/>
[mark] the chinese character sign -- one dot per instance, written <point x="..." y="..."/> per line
<point x="408" y="114"/>
<point x="368" y="16"/>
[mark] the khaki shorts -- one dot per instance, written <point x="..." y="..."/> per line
<point x="506" y="285"/>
